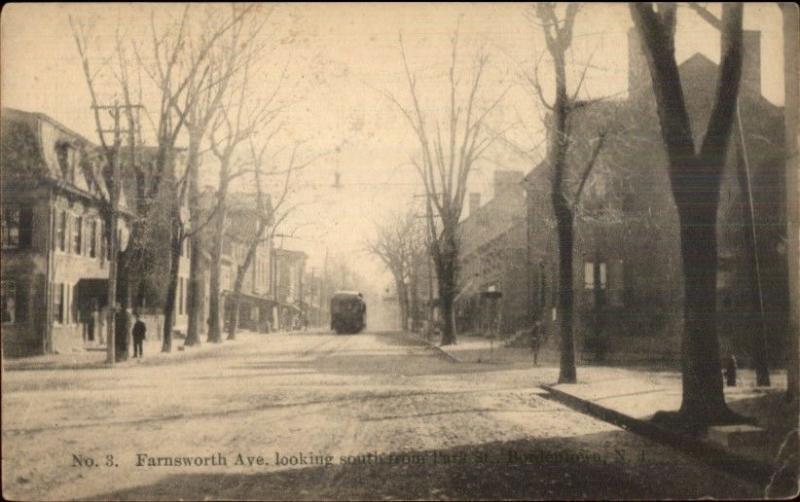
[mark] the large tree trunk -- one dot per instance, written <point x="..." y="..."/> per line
<point x="233" y="325"/>
<point x="402" y="303"/>
<point x="172" y="286"/>
<point x="215" y="306"/>
<point x="695" y="180"/>
<point x="564" y="222"/>
<point x="215" y="287"/>
<point x="567" y="371"/>
<point x="703" y="398"/>
<point x="195" y="293"/>
<point x="194" y="287"/>
<point x="414" y="301"/>
<point x="446" y="277"/>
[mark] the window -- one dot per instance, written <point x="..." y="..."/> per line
<point x="58" y="302"/>
<point x="17" y="227"/>
<point x="588" y="275"/>
<point x="10" y="229"/>
<point x="602" y="273"/>
<point x="594" y="275"/>
<point x="61" y="231"/>
<point x="8" y="292"/>
<point x="93" y="238"/>
<point x="77" y="236"/>
<point x="595" y="282"/>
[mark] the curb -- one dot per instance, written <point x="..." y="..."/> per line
<point x="755" y="471"/>
<point x="436" y="348"/>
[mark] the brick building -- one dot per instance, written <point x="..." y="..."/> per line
<point x="628" y="281"/>
<point x="492" y="256"/>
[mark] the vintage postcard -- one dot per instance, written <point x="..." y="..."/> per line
<point x="399" y="251"/>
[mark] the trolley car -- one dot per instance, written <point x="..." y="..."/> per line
<point x="348" y="312"/>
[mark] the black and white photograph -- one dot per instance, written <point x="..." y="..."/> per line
<point x="400" y="251"/>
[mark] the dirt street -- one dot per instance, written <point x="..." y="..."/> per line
<point x="320" y="416"/>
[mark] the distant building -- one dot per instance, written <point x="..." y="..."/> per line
<point x="493" y="256"/>
<point x="54" y="253"/>
<point x="289" y="268"/>
<point x="257" y="302"/>
<point x="628" y="283"/>
<point x="257" y="305"/>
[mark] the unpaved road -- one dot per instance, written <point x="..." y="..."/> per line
<point x="370" y="416"/>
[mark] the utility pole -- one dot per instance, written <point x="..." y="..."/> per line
<point x="429" y="223"/>
<point x="114" y="152"/>
<point x="323" y="288"/>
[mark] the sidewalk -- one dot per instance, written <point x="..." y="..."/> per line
<point x="630" y="396"/>
<point x="95" y="357"/>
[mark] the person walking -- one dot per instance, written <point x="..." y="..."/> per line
<point x="139" y="334"/>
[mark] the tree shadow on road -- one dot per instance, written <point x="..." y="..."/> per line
<point x="582" y="467"/>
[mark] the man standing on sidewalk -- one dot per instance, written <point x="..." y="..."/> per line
<point x="139" y="334"/>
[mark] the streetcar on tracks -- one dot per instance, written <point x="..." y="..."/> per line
<point x="348" y="312"/>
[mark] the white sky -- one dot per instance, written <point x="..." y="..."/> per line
<point x="341" y="57"/>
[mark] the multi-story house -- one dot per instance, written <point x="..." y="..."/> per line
<point x="55" y="261"/>
<point x="493" y="257"/>
<point x="628" y="284"/>
<point x="257" y="306"/>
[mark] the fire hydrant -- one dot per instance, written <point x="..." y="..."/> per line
<point x="730" y="371"/>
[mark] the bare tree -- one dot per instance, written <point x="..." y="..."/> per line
<point x="759" y="342"/>
<point x="209" y="87"/>
<point x="565" y="199"/>
<point x="179" y="62"/>
<point x="238" y="120"/>
<point x="695" y="177"/>
<point x="269" y="214"/>
<point x="398" y="245"/>
<point x="447" y="156"/>
<point x="111" y="150"/>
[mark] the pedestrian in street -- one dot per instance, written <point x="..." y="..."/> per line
<point x="536" y="341"/>
<point x="139" y="334"/>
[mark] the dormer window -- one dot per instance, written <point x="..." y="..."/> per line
<point x="65" y="153"/>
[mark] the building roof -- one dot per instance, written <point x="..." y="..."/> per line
<point x="35" y="145"/>
<point x="492" y="220"/>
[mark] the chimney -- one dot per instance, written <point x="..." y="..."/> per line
<point x="507" y="180"/>
<point x="751" y="61"/>
<point x="640" y="86"/>
<point x="474" y="202"/>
